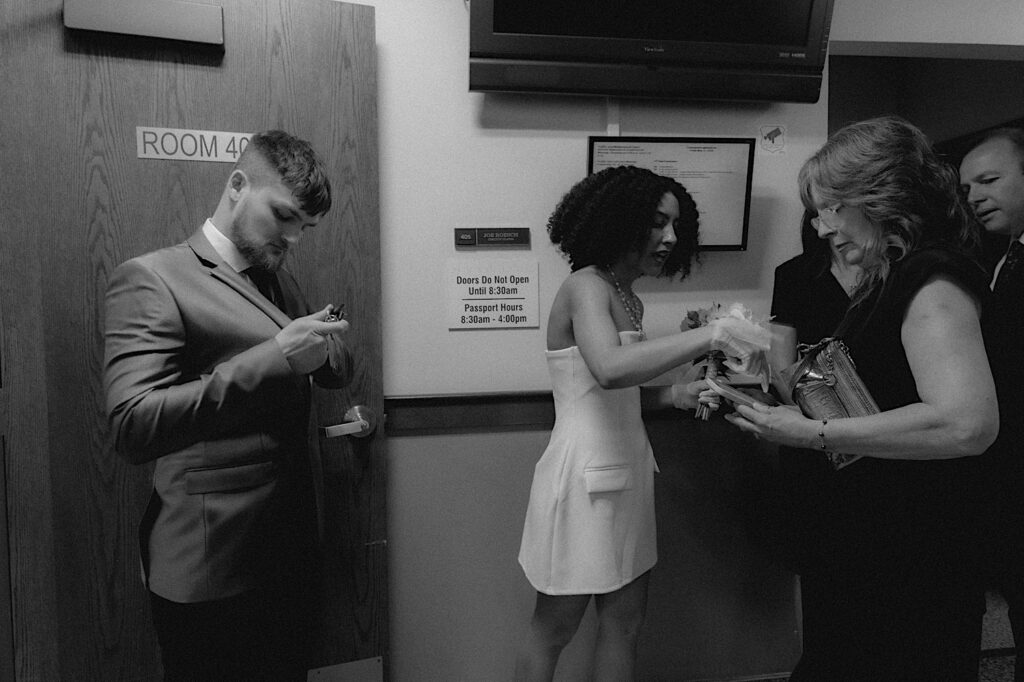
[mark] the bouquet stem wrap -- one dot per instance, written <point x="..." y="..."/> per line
<point x="711" y="372"/>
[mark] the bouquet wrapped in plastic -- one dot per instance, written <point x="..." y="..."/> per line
<point x="740" y="347"/>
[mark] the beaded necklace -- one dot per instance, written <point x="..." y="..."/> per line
<point x="630" y="303"/>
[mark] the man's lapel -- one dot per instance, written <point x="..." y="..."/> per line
<point x="1010" y="279"/>
<point x="226" y="274"/>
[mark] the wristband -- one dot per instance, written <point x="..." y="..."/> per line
<point x="821" y="435"/>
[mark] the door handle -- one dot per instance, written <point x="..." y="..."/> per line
<point x="359" y="422"/>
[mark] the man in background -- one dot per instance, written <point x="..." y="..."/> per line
<point x="210" y="348"/>
<point x="992" y="178"/>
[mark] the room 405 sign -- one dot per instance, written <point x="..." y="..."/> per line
<point x="189" y="145"/>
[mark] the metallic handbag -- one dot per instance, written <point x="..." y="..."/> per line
<point x="824" y="384"/>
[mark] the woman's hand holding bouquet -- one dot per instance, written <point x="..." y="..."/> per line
<point x="744" y="344"/>
<point x="738" y="344"/>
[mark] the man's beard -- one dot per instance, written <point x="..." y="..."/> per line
<point x="258" y="256"/>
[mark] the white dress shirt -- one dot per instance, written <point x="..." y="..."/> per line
<point x="225" y="248"/>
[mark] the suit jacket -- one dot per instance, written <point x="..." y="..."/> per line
<point x="195" y="380"/>
<point x="1003" y="327"/>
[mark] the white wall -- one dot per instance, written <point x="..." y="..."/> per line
<point x="451" y="158"/>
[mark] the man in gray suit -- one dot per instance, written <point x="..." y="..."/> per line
<point x="992" y="177"/>
<point x="210" y="349"/>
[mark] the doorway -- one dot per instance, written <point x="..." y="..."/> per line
<point x="76" y="201"/>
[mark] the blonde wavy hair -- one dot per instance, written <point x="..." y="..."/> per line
<point x="887" y="168"/>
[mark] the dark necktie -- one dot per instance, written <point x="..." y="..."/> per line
<point x="1014" y="255"/>
<point x="266" y="282"/>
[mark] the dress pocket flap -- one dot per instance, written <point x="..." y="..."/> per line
<point x="225" y="479"/>
<point x="609" y="479"/>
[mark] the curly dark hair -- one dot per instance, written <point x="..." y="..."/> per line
<point x="612" y="212"/>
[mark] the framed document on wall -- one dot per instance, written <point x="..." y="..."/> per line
<point x="716" y="171"/>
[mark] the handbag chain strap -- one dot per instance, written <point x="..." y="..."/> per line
<point x="813" y="348"/>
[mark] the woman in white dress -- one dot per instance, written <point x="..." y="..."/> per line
<point x="589" y="529"/>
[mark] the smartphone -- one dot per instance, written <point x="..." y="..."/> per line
<point x="337" y="313"/>
<point x="738" y="397"/>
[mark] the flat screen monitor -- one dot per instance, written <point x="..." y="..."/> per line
<point x="701" y="49"/>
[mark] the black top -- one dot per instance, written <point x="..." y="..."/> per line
<point x="806" y="296"/>
<point x="897" y="515"/>
<point x="872" y="329"/>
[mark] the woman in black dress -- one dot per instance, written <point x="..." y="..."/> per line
<point x="809" y="299"/>
<point x="895" y="569"/>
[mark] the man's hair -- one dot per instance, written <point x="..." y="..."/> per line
<point x="609" y="213"/>
<point x="1012" y="134"/>
<point x="886" y="167"/>
<point x="274" y="154"/>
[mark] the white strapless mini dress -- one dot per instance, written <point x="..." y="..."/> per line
<point x="590" y="525"/>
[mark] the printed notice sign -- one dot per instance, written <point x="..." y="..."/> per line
<point x="492" y="294"/>
<point x="716" y="171"/>
<point x="189" y="145"/>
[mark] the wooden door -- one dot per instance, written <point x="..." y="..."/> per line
<point x="74" y="202"/>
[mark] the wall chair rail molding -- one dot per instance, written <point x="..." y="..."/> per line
<point x="481" y="413"/>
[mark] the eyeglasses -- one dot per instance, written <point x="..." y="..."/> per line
<point x="826" y="216"/>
